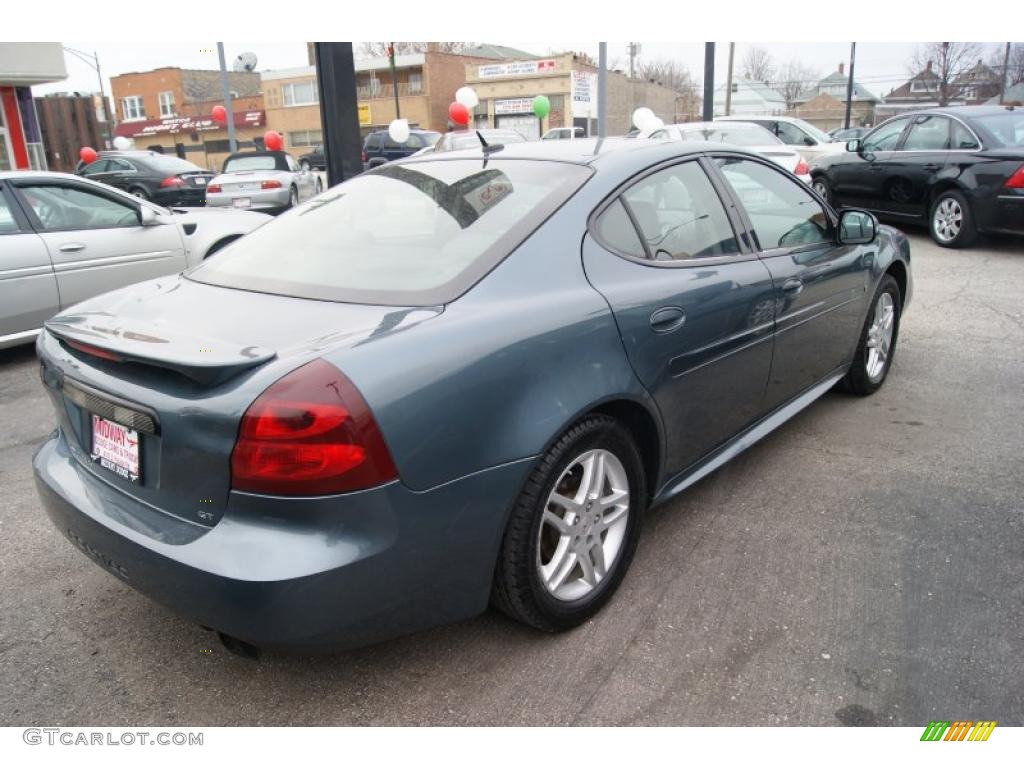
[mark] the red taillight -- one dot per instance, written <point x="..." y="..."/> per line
<point x="802" y="169"/>
<point x="310" y="434"/>
<point x="215" y="188"/>
<point x="270" y="184"/>
<point x="89" y="349"/>
<point x="1016" y="181"/>
<point x="172" y="181"/>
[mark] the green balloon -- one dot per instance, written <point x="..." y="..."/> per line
<point x="541" y="106"/>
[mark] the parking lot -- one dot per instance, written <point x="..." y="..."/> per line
<point x="863" y="565"/>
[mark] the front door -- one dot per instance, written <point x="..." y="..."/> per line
<point x="28" y="289"/>
<point x="95" y="239"/>
<point x="694" y="308"/>
<point x="861" y="182"/>
<point x="819" y="286"/>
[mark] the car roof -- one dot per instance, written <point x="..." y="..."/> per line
<point x="712" y="124"/>
<point x="38" y="174"/>
<point x="979" y="110"/>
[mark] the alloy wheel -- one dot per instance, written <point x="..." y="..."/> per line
<point x="879" y="339"/>
<point x="820" y="188"/>
<point x="584" y="525"/>
<point x="948" y="219"/>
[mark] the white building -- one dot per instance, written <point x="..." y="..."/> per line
<point x="750" y="97"/>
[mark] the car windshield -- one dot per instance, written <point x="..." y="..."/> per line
<point x="402" y="235"/>
<point x="1008" y="127"/>
<point x="250" y="163"/>
<point x="169" y="164"/>
<point x="740" y="135"/>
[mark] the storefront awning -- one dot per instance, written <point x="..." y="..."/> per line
<point x="171" y="125"/>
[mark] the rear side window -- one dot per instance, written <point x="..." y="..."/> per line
<point x="7" y="222"/>
<point x="964" y="139"/>
<point x="373" y="141"/>
<point x="401" y="235"/>
<point x="615" y="229"/>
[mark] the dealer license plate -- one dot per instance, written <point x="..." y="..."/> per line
<point x="115" y="448"/>
<point x="241" y="202"/>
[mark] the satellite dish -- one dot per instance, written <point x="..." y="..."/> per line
<point x="245" y="62"/>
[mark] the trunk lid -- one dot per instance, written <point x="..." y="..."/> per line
<point x="178" y="362"/>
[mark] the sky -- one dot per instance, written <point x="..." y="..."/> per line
<point x="879" y="66"/>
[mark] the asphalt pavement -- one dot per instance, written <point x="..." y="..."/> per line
<point x="863" y="565"/>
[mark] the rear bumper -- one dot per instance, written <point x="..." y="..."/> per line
<point x="323" y="573"/>
<point x="271" y="199"/>
<point x="1006" y="213"/>
<point x="194" y="197"/>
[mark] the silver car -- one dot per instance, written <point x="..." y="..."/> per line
<point x="64" y="239"/>
<point x="262" y="181"/>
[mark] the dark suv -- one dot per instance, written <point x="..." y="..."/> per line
<point x="380" y="148"/>
<point x="165" y="179"/>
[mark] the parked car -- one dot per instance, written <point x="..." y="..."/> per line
<point x="380" y="148"/>
<point x="845" y="134"/>
<point x="748" y="135"/>
<point x="314" y="159"/>
<point x="959" y="170"/>
<point x="454" y="380"/>
<point x="166" y="180"/>
<point x="64" y="239"/>
<point x="470" y="139"/>
<point x="808" y="140"/>
<point x="576" y="132"/>
<point x="262" y="181"/>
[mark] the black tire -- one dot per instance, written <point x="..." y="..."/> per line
<point x="517" y="590"/>
<point x="140" y="192"/>
<point x="293" y="198"/>
<point x="319" y="187"/>
<point x="822" y="187"/>
<point x="968" y="232"/>
<point x="857" y="380"/>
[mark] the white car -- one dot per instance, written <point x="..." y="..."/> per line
<point x="808" y="140"/>
<point x="64" y="239"/>
<point x="747" y="135"/>
<point x="262" y="180"/>
<point x="576" y="132"/>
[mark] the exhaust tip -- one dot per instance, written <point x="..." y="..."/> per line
<point x="239" y="647"/>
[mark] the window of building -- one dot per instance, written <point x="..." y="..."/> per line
<point x="300" y="94"/>
<point x="918" y="86"/>
<point x="416" y="82"/>
<point x="305" y="138"/>
<point x="166" y="99"/>
<point x="132" y="108"/>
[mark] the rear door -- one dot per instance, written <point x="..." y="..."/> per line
<point x="819" y="287"/>
<point x="913" y="169"/>
<point x="693" y="304"/>
<point x="28" y="288"/>
<point x="95" y="239"/>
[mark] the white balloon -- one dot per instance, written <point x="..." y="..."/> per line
<point x="642" y="116"/>
<point x="467" y="97"/>
<point x="122" y="143"/>
<point x="398" y="130"/>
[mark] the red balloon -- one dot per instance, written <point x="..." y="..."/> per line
<point x="459" y="113"/>
<point x="220" y="114"/>
<point x="273" y="141"/>
<point x="87" y="155"/>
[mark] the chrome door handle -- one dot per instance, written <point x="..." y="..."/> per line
<point x="667" y="319"/>
<point x="72" y="247"/>
<point x="793" y="286"/>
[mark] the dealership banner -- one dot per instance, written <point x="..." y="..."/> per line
<point x="513" y="68"/>
<point x="136" y="128"/>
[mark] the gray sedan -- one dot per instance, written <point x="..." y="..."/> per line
<point x="64" y="239"/>
<point x="262" y="181"/>
<point x="454" y="380"/>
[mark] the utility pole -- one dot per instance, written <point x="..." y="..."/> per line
<point x="1006" y="75"/>
<point x="226" y="91"/>
<point x="849" y="85"/>
<point x="709" y="82"/>
<point x="394" y="78"/>
<point x="728" y="80"/>
<point x="634" y="51"/>
<point x="602" y="90"/>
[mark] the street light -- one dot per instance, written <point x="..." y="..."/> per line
<point x="95" y="64"/>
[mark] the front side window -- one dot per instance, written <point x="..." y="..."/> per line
<point x="132" y="108"/>
<point x="99" y="166"/>
<point x="679" y="215"/>
<point x="62" y="208"/>
<point x="782" y="211"/>
<point x="166" y="99"/>
<point x="885" y="137"/>
<point x="790" y="134"/>
<point x="929" y="133"/>
<point x="417" y="235"/>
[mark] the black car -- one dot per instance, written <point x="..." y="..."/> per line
<point x="165" y="179"/>
<point x="960" y="170"/>
<point x="380" y="148"/>
<point x="314" y="159"/>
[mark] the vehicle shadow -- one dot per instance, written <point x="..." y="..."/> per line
<point x="17" y="355"/>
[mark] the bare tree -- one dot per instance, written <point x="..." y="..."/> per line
<point x="793" y="79"/>
<point x="669" y="73"/>
<point x="380" y="50"/>
<point x="948" y="62"/>
<point x="1015" y="65"/>
<point x="758" y="65"/>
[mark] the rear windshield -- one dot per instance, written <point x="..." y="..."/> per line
<point x="169" y="164"/>
<point x="1008" y="128"/>
<point x="413" y="234"/>
<point x="741" y="135"/>
<point x="251" y="163"/>
<point x="471" y="140"/>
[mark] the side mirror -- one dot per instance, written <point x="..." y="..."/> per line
<point x="853" y="145"/>
<point x="147" y="216"/>
<point x="857" y="227"/>
<point x="809" y="141"/>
